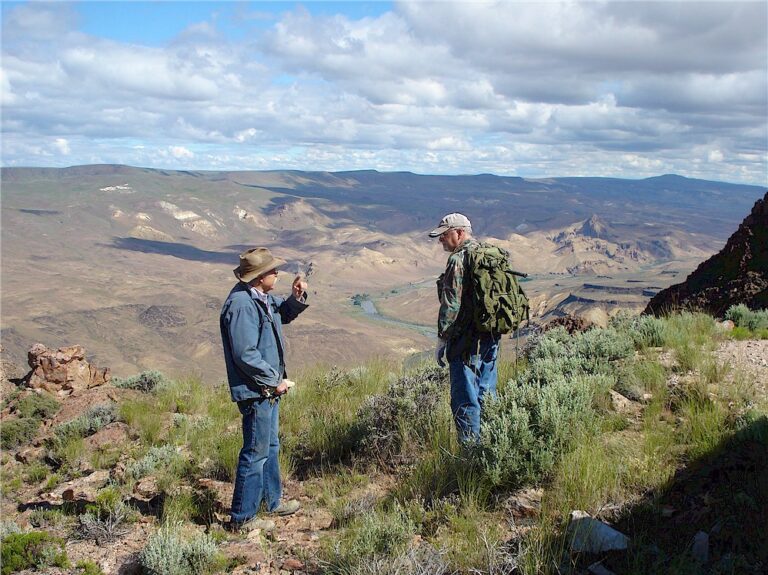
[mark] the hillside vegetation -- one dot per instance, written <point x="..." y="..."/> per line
<point x="651" y="425"/>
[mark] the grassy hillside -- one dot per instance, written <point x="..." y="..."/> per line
<point x="656" y="426"/>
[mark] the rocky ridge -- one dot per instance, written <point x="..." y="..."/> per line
<point x="738" y="274"/>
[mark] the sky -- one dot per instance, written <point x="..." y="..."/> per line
<point x="532" y="89"/>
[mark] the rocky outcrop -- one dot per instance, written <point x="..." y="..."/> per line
<point x="571" y="323"/>
<point x="63" y="370"/>
<point x="162" y="316"/>
<point x="738" y="274"/>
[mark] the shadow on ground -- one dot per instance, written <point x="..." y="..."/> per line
<point x="178" y="250"/>
<point x="721" y="496"/>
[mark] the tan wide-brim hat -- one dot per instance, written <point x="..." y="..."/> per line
<point x="255" y="262"/>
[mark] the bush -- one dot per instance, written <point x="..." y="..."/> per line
<point x="647" y="331"/>
<point x="742" y="316"/>
<point x="8" y="528"/>
<point x="421" y="560"/>
<point x="15" y="432"/>
<point x="402" y="420"/>
<point x="540" y="416"/>
<point x="106" y="519"/>
<point x="603" y="345"/>
<point x="527" y="428"/>
<point x="87" y="424"/>
<point x="146" y="381"/>
<point x="370" y="537"/>
<point x="168" y="552"/>
<point x="156" y="458"/>
<point x="88" y="567"/>
<point x="38" y="406"/>
<point x="36" y="472"/>
<point x="32" y="550"/>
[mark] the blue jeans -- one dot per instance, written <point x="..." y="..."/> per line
<point x="470" y="383"/>
<point x="258" y="468"/>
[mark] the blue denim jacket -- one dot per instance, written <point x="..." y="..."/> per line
<point x="254" y="352"/>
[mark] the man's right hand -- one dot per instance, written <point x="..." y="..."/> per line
<point x="440" y="352"/>
<point x="282" y="388"/>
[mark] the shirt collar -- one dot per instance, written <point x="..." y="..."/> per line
<point x="463" y="245"/>
<point x="259" y="295"/>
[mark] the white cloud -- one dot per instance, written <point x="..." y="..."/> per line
<point x="715" y="156"/>
<point x="180" y="152"/>
<point x="62" y="145"/>
<point x="619" y="88"/>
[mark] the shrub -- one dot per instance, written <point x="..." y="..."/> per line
<point x="647" y="331"/>
<point x="168" y="552"/>
<point x="88" y="567"/>
<point x="528" y="427"/>
<point x="88" y="423"/>
<point x="146" y="381"/>
<point x="742" y="316"/>
<point x="156" y="458"/>
<point x="49" y="518"/>
<point x="105" y="520"/>
<point x="35" y="549"/>
<point x="8" y="528"/>
<point x="36" y="472"/>
<point x="421" y="560"/>
<point x="37" y="405"/>
<point x="370" y="537"/>
<point x="15" y="432"/>
<point x="639" y="377"/>
<point x="603" y="345"/>
<point x="402" y="419"/>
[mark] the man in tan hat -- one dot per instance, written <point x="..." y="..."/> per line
<point x="254" y="352"/>
<point x="472" y="356"/>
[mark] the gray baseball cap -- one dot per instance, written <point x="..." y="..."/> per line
<point x="454" y="220"/>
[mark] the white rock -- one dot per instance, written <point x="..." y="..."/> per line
<point x="588" y="535"/>
<point x="599" y="569"/>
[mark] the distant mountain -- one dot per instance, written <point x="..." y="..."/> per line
<point x="738" y="274"/>
<point x="134" y="263"/>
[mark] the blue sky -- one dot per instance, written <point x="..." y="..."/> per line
<point x="624" y="89"/>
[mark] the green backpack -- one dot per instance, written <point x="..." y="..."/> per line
<point x="499" y="303"/>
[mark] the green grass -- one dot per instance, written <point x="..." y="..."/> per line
<point x="318" y="417"/>
<point x="443" y="509"/>
<point x="16" y="432"/>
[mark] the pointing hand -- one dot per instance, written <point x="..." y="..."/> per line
<point x="299" y="287"/>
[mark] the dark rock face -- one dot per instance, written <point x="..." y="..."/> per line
<point x="737" y="274"/>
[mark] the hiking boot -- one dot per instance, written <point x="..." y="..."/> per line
<point x="286" y="508"/>
<point x="251" y="524"/>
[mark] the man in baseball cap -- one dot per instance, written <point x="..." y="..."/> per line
<point x="454" y="220"/>
<point x="471" y="356"/>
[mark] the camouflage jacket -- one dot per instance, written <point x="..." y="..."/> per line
<point x="455" y="313"/>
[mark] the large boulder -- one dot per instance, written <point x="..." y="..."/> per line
<point x="64" y="370"/>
